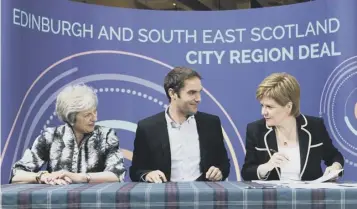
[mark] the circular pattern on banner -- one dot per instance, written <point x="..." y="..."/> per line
<point x="121" y="90"/>
<point x="339" y="107"/>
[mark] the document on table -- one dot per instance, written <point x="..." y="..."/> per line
<point x="325" y="185"/>
<point x="326" y="177"/>
<point x="353" y="184"/>
<point x="317" y="183"/>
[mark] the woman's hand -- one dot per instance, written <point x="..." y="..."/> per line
<point x="56" y="178"/>
<point x="277" y="160"/>
<point x="334" y="167"/>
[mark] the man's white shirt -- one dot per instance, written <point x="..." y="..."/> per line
<point x="185" y="149"/>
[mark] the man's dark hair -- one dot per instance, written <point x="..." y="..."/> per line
<point x="175" y="79"/>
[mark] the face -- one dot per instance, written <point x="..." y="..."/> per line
<point x="190" y="97"/>
<point x="274" y="113"/>
<point x="85" y="121"/>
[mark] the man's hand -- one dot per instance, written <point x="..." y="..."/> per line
<point x="214" y="174"/>
<point x="155" y="177"/>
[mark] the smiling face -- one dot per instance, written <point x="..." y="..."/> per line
<point x="188" y="98"/>
<point x="273" y="113"/>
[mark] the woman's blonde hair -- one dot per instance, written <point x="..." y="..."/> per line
<point x="283" y="88"/>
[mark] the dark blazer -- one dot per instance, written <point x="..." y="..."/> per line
<point x="152" y="146"/>
<point x="314" y="141"/>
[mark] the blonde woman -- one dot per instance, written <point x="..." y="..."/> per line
<point x="286" y="144"/>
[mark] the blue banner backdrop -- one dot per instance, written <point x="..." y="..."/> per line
<point x="125" y="54"/>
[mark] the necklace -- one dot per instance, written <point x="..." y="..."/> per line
<point x="285" y="138"/>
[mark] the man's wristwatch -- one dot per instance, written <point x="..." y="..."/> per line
<point x="38" y="176"/>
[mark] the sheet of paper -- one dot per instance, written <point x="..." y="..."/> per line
<point x="327" y="177"/>
<point x="309" y="185"/>
<point x="326" y="185"/>
<point x="279" y="182"/>
<point x="352" y="185"/>
<point x="318" y="183"/>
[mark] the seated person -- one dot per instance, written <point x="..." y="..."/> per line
<point x="180" y="143"/>
<point x="78" y="151"/>
<point x="286" y="144"/>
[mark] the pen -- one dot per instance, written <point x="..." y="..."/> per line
<point x="274" y="151"/>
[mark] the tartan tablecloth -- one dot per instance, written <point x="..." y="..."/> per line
<point x="205" y="195"/>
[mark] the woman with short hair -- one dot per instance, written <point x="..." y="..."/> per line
<point x="286" y="144"/>
<point x="78" y="151"/>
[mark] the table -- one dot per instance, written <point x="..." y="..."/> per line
<point x="201" y="195"/>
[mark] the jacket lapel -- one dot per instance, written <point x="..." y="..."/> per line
<point x="271" y="143"/>
<point x="304" y="142"/>
<point x="201" y="136"/>
<point x="163" y="136"/>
